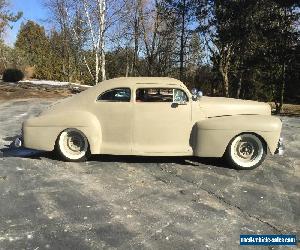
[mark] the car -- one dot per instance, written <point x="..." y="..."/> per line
<point x="155" y="116"/>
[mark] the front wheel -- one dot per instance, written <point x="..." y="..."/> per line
<point x="246" y="151"/>
<point x="72" y="145"/>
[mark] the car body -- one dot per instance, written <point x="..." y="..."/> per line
<point x="151" y="116"/>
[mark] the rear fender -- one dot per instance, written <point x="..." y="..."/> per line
<point x="41" y="132"/>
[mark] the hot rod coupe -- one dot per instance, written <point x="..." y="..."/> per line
<point x="155" y="116"/>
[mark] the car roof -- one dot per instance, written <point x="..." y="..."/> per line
<point x="132" y="81"/>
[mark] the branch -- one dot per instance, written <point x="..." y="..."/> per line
<point x="78" y="40"/>
<point x="89" y="23"/>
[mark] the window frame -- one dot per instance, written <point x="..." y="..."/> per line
<point x="104" y="92"/>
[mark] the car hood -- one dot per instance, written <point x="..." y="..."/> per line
<point x="220" y="106"/>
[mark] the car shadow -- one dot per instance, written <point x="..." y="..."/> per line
<point x="10" y="150"/>
<point x="182" y="160"/>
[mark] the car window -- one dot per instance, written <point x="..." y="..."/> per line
<point x="116" y="95"/>
<point x="160" y="95"/>
<point x="179" y="96"/>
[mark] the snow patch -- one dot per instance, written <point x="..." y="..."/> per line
<point x="54" y="83"/>
<point x="45" y="82"/>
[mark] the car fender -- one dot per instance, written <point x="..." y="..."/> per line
<point x="42" y="132"/>
<point x="214" y="134"/>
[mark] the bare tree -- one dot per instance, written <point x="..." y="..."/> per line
<point x="73" y="16"/>
<point x="95" y="18"/>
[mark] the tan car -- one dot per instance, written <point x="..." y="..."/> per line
<point x="155" y="116"/>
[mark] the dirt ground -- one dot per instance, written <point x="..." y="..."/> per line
<point x="113" y="202"/>
<point x="9" y="91"/>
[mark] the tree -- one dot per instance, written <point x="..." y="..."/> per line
<point x="184" y="14"/>
<point x="7" y="16"/>
<point x="33" y="42"/>
<point x="251" y="44"/>
<point x="5" y="52"/>
<point x="89" y="23"/>
<point x="214" y="19"/>
<point x="285" y="43"/>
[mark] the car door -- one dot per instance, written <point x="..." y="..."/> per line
<point x="161" y="127"/>
<point x="114" y="110"/>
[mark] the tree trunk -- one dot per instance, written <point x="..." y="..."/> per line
<point x="96" y="68"/>
<point x="283" y="68"/>
<point x="225" y="82"/>
<point x="279" y="103"/>
<point x="103" y="63"/>
<point x="102" y="42"/>
<point x="136" y="38"/>
<point x="182" y="41"/>
<point x="224" y="66"/>
<point x="239" y="87"/>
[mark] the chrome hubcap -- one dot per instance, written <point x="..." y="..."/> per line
<point x="246" y="150"/>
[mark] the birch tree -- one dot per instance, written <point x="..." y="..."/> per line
<point x="85" y="21"/>
<point x="95" y="12"/>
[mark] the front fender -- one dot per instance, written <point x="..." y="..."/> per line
<point x="214" y="134"/>
<point x="41" y="132"/>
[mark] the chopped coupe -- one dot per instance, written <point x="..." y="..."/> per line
<point x="155" y="116"/>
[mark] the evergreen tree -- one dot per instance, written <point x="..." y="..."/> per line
<point x="252" y="45"/>
<point x="34" y="43"/>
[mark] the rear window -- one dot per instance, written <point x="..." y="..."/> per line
<point x="116" y="95"/>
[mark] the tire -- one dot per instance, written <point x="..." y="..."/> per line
<point x="246" y="151"/>
<point x="72" y="145"/>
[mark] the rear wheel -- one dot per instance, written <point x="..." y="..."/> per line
<point x="72" y="145"/>
<point x="246" y="151"/>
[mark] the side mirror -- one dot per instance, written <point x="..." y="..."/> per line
<point x="200" y="93"/>
<point x="194" y="91"/>
<point x="196" y="94"/>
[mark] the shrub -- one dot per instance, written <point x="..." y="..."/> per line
<point x="12" y="75"/>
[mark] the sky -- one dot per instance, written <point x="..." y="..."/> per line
<point x="32" y="10"/>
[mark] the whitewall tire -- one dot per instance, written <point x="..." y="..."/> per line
<point x="72" y="145"/>
<point x="246" y="151"/>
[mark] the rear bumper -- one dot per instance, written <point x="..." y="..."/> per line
<point x="18" y="142"/>
<point x="280" y="147"/>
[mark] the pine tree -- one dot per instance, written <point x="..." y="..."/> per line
<point x="34" y="43"/>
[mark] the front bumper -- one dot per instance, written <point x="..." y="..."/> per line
<point x="280" y="147"/>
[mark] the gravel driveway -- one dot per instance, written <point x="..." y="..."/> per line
<point x="140" y="202"/>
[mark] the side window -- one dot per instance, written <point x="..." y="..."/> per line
<point x="116" y="95"/>
<point x="179" y="96"/>
<point x="160" y="95"/>
<point x="154" y="95"/>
